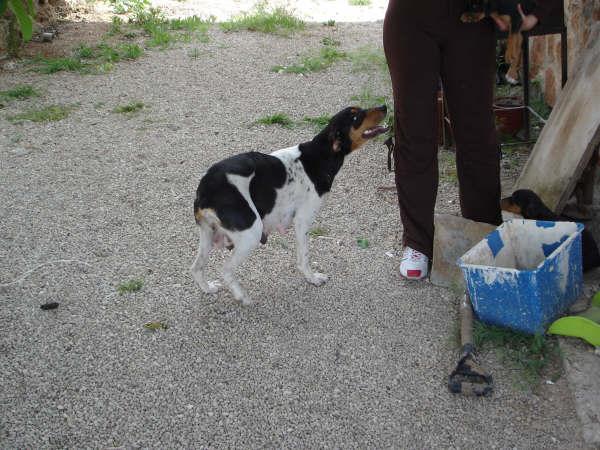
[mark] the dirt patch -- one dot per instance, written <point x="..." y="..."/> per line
<point x="74" y="24"/>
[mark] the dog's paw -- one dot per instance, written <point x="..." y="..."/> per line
<point x="211" y="287"/>
<point x="317" y="278"/>
<point x="511" y="80"/>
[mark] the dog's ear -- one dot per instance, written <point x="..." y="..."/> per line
<point x="335" y="140"/>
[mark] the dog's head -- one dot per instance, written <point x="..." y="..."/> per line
<point x="349" y="129"/>
<point x="476" y="10"/>
<point x="526" y="203"/>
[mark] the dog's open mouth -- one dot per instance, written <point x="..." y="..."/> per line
<point x="370" y="133"/>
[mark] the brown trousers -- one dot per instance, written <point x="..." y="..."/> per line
<point x="424" y="42"/>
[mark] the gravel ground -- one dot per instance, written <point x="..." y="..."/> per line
<point x="100" y="198"/>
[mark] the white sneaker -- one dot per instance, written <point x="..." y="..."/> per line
<point x="414" y="264"/>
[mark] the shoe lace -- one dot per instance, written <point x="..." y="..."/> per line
<point x="413" y="255"/>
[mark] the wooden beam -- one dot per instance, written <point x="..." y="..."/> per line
<point x="568" y="138"/>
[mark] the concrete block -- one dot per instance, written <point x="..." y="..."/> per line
<point x="453" y="237"/>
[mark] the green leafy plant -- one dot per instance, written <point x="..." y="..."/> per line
<point x="362" y="243"/>
<point x="24" y="13"/>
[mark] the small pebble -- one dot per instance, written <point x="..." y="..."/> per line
<point x="47" y="306"/>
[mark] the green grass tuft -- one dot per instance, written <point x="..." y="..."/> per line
<point x="330" y="42"/>
<point x="53" y="65"/>
<point x="20" y="92"/>
<point x="130" y="286"/>
<point x="129" y="108"/>
<point x="326" y="57"/>
<point x="276" y="119"/>
<point x="109" y="54"/>
<point x="46" y="114"/>
<point x="191" y="24"/>
<point x="130" y="51"/>
<point x="277" y="20"/>
<point x="318" y="231"/>
<point x="359" y="2"/>
<point x="84" y="52"/>
<point x="533" y="356"/>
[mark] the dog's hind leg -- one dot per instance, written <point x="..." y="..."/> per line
<point x="197" y="269"/>
<point x="243" y="244"/>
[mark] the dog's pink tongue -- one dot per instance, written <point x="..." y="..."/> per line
<point x="375" y="131"/>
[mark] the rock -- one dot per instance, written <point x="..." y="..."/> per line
<point x="581" y="366"/>
<point x="453" y="237"/>
<point x="20" y="151"/>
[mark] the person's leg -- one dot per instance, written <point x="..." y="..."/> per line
<point x="414" y="61"/>
<point x="468" y="64"/>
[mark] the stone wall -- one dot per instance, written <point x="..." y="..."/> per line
<point x="582" y="18"/>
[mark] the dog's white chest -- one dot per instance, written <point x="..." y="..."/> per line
<point x="297" y="194"/>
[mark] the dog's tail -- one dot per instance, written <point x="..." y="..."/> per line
<point x="207" y="216"/>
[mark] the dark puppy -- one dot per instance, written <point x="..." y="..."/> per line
<point x="526" y="203"/>
<point x="504" y="11"/>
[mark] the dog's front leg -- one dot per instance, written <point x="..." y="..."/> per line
<point x="302" y="222"/>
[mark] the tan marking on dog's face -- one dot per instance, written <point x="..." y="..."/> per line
<point x="506" y="204"/>
<point x="373" y="118"/>
<point x="472" y="17"/>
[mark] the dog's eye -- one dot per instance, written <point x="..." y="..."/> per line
<point x="355" y="118"/>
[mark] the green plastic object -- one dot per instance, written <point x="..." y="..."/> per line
<point x="585" y="325"/>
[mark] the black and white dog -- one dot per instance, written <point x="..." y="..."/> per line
<point x="242" y="199"/>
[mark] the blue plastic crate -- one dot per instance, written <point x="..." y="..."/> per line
<point x="524" y="274"/>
